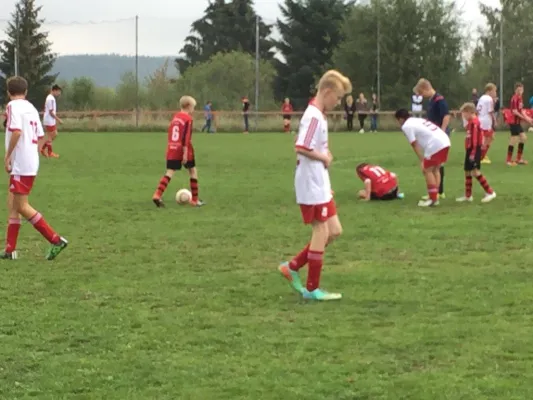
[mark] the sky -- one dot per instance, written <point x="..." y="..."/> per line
<point x="81" y="27"/>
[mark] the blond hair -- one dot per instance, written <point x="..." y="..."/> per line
<point x="187" y="101"/>
<point x="489" y="87"/>
<point x="422" y="84"/>
<point x="333" y="79"/>
<point x="468" y="107"/>
<point x="349" y="100"/>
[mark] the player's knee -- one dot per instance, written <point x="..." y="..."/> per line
<point x="192" y="173"/>
<point x="523" y="137"/>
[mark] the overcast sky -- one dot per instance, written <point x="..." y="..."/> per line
<point x="79" y="27"/>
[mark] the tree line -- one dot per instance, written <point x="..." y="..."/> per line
<point x="217" y="62"/>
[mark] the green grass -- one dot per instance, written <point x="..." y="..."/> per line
<point x="183" y="303"/>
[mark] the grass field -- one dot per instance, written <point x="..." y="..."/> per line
<point x="183" y="303"/>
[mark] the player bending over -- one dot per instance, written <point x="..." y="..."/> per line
<point x="431" y="144"/>
<point x="474" y="150"/>
<point x="24" y="135"/>
<point x="380" y="184"/>
<point x="487" y="119"/>
<point x="313" y="187"/>
<point x="180" y="152"/>
<point x="50" y="121"/>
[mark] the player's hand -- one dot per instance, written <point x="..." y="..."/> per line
<point x="328" y="160"/>
<point x="472" y="158"/>
<point x="59" y="121"/>
<point x="7" y="164"/>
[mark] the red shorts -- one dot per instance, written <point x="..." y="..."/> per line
<point x="50" y="128"/>
<point x="487" y="133"/>
<point x="21" y="184"/>
<point x="437" y="159"/>
<point x="318" y="212"/>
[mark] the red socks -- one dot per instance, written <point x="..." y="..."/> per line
<point x="194" y="189"/>
<point x="468" y="186"/>
<point x="316" y="259"/>
<point x="433" y="192"/>
<point x="300" y="260"/>
<point x="44" y="229"/>
<point x="13" y="229"/>
<point x="161" y="187"/>
<point x="484" y="184"/>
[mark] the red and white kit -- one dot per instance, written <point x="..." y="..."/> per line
<point x="381" y="180"/>
<point x="485" y="108"/>
<point x="311" y="180"/>
<point x="50" y="107"/>
<point x="22" y="116"/>
<point x="432" y="139"/>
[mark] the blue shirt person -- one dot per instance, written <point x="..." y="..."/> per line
<point x="208" y="115"/>
<point x="437" y="112"/>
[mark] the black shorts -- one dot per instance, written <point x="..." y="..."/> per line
<point x="516" y="129"/>
<point x="472" y="165"/>
<point x="176" y="165"/>
<point x="392" y="195"/>
<point x="287" y="117"/>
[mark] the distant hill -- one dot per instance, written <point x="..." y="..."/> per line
<point x="106" y="69"/>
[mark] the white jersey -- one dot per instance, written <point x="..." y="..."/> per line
<point x="429" y="136"/>
<point x="416" y="103"/>
<point x="485" y="106"/>
<point x="22" y="116"/>
<point x="311" y="180"/>
<point x="49" y="108"/>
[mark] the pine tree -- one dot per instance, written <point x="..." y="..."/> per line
<point x="35" y="58"/>
<point x="225" y="27"/>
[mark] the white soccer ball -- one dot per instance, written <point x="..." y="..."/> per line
<point x="183" y="196"/>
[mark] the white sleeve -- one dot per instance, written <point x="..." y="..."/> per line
<point x="40" y="130"/>
<point x="307" y="133"/>
<point x="14" y="120"/>
<point x="50" y="104"/>
<point x="409" y="133"/>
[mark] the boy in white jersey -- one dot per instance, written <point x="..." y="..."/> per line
<point x="50" y="121"/>
<point x="487" y="120"/>
<point x="431" y="145"/>
<point x="313" y="187"/>
<point x="24" y="135"/>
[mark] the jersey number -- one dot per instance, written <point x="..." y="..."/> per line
<point x="175" y="133"/>
<point x="35" y="127"/>
<point x="378" y="171"/>
<point x="431" y="125"/>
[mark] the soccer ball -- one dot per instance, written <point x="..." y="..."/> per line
<point x="183" y="196"/>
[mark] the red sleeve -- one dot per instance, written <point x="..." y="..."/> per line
<point x="187" y="133"/>
<point x="475" y="137"/>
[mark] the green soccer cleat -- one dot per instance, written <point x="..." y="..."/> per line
<point x="321" y="295"/>
<point x="292" y="276"/>
<point x="55" y="249"/>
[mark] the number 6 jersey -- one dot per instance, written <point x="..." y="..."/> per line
<point x="23" y="117"/>
<point x="179" y="136"/>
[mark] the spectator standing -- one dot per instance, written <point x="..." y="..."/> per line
<point x="349" y="109"/>
<point x="475" y="96"/>
<point x="361" y="106"/>
<point x="208" y="115"/>
<point x="497" y="111"/>
<point x="245" y="111"/>
<point x="286" y="111"/>
<point x="416" y="105"/>
<point x="374" y="113"/>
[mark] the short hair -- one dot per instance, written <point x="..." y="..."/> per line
<point x="489" y="87"/>
<point x="518" y="85"/>
<point x="402" y="113"/>
<point x="468" y="107"/>
<point x="17" y="86"/>
<point x="422" y="84"/>
<point x="56" y="87"/>
<point x="361" y="166"/>
<point x="187" y="101"/>
<point x="333" y="79"/>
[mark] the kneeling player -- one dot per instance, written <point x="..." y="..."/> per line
<point x="431" y="144"/>
<point x="180" y="152"/>
<point x="473" y="146"/>
<point x="380" y="184"/>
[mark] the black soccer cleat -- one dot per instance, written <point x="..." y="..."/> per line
<point x="8" y="256"/>
<point x="158" y="203"/>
